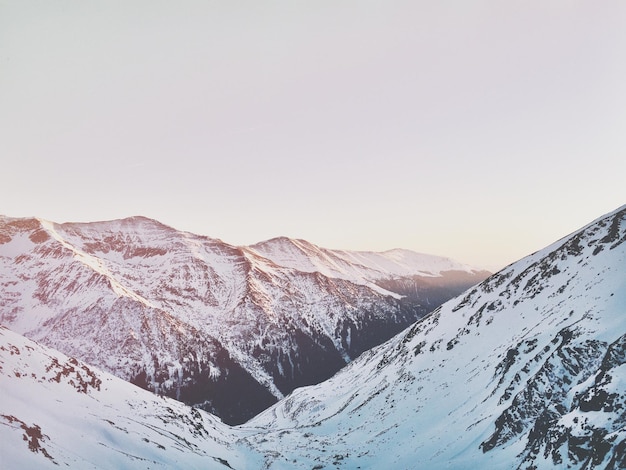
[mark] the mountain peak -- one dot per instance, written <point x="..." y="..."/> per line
<point x="136" y="221"/>
<point x="305" y="256"/>
<point x="156" y="292"/>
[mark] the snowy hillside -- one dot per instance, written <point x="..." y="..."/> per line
<point x="527" y="370"/>
<point x="58" y="412"/>
<point x="231" y="329"/>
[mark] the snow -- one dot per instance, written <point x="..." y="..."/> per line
<point x="141" y="278"/>
<point x="96" y="264"/>
<point x="361" y="267"/>
<point x="113" y="425"/>
<point x="392" y="407"/>
<point x="531" y="337"/>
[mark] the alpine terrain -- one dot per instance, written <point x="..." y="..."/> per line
<point x="525" y="370"/>
<point x="57" y="412"/>
<point x="228" y="329"/>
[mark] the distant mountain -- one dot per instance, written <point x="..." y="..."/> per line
<point x="526" y="370"/>
<point x="229" y="329"/>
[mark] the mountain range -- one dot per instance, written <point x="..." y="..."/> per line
<point x="228" y="329"/>
<point x="526" y="370"/>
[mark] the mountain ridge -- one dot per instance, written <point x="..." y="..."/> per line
<point x="196" y="318"/>
<point x="524" y="370"/>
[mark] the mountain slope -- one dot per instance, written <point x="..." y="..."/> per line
<point x="231" y="329"/>
<point x="527" y="370"/>
<point x="56" y="412"/>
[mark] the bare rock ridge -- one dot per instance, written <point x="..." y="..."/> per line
<point x="229" y="329"/>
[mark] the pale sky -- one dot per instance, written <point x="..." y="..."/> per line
<point x="479" y="130"/>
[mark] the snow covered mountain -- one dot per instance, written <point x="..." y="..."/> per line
<point x="526" y="370"/>
<point x="230" y="329"/>
<point x="58" y="412"/>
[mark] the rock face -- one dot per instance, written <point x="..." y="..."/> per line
<point x="526" y="370"/>
<point x="229" y="329"/>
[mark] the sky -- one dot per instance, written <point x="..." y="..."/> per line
<point x="479" y="130"/>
